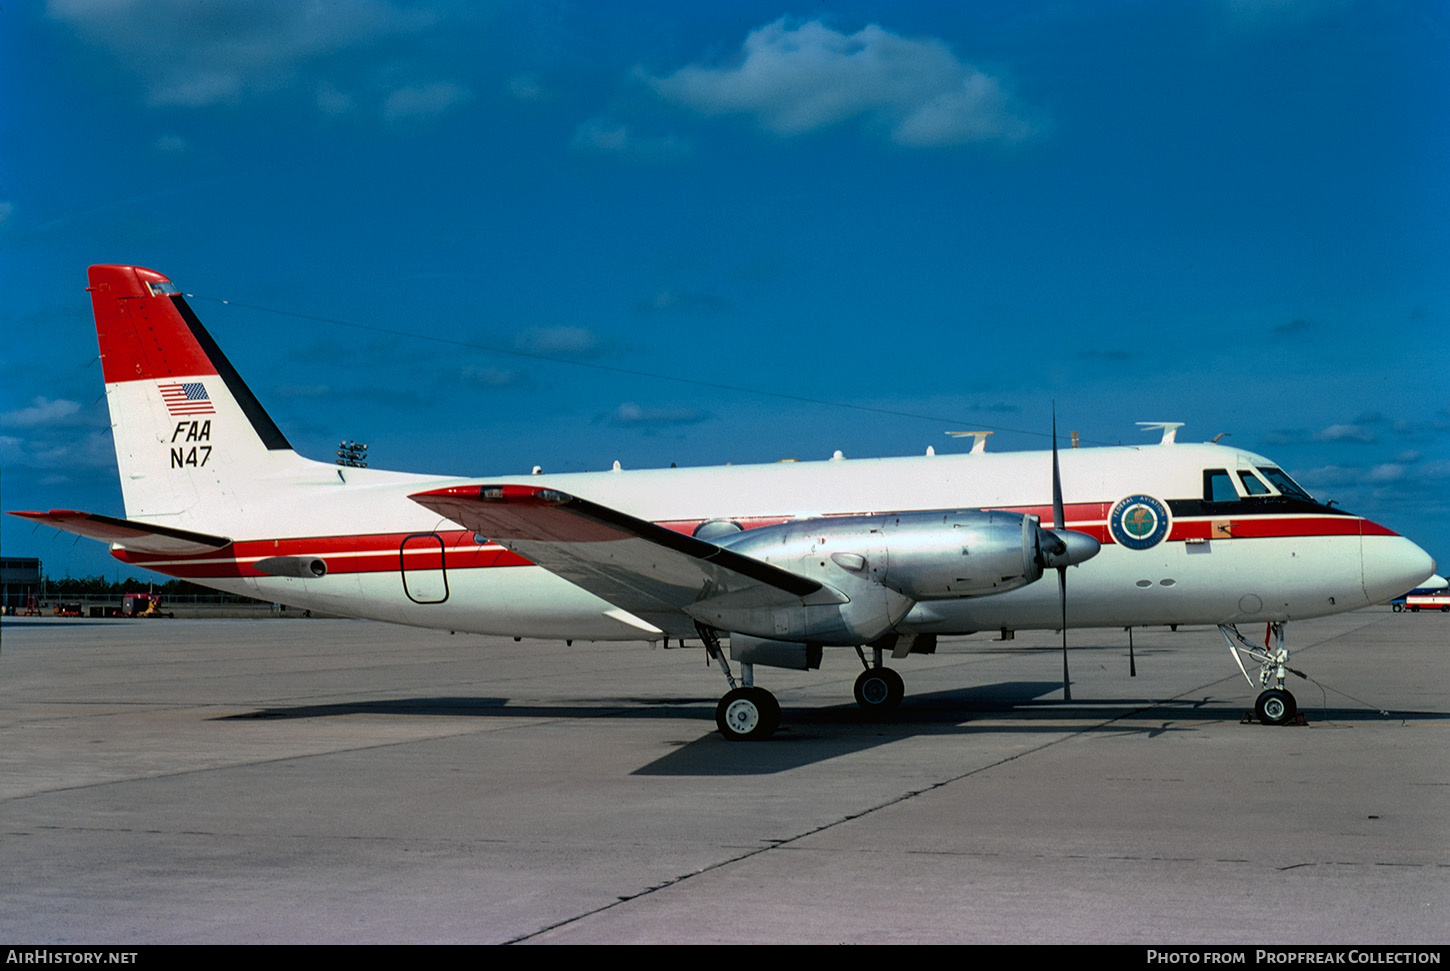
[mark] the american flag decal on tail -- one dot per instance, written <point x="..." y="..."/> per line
<point x="189" y="398"/>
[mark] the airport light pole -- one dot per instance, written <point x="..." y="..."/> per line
<point x="352" y="454"/>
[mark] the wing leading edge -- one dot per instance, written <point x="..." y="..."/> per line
<point x="657" y="574"/>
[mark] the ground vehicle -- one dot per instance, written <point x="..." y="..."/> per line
<point x="1416" y="602"/>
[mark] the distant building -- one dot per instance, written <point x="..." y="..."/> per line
<point x="19" y="578"/>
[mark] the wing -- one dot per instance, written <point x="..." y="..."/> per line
<point x="141" y="537"/>
<point x="652" y="572"/>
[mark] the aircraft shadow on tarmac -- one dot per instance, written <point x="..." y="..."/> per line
<point x="814" y="734"/>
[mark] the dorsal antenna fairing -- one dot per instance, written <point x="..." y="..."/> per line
<point x="1170" y="429"/>
<point x="979" y="440"/>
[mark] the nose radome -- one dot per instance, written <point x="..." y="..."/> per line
<point x="1391" y="566"/>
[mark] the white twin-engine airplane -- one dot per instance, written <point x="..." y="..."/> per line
<point x="785" y="559"/>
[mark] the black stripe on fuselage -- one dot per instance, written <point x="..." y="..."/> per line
<point x="1251" y="505"/>
<point x="262" y="423"/>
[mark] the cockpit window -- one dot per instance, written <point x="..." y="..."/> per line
<point x="1217" y="486"/>
<point x="1252" y="484"/>
<point x="1284" y="484"/>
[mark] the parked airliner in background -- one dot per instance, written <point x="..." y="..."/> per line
<point x="783" y="559"/>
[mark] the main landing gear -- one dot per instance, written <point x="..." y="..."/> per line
<point x="1275" y="705"/>
<point x="746" y="713"/>
<point x="878" y="689"/>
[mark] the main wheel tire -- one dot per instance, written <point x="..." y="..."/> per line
<point x="1275" y="707"/>
<point x="879" y="690"/>
<point x="747" y="715"/>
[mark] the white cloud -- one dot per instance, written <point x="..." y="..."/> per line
<point x="1361" y="479"/>
<point x="609" y="137"/>
<point x="493" y="378"/>
<point x="798" y="79"/>
<point x="41" y="412"/>
<point x="94" y="450"/>
<point x="192" y="54"/>
<point x="332" y="100"/>
<point x="421" y="102"/>
<point x="1267" y="13"/>
<point x="681" y="302"/>
<point x="526" y="87"/>
<point x="632" y="415"/>
<point x="303" y="391"/>
<point x="562" y="341"/>
<point x="1344" y="433"/>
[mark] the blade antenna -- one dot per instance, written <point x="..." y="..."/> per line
<point x="1059" y="522"/>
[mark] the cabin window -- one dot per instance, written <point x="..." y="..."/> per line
<point x="1252" y="484"/>
<point x="1217" y="486"/>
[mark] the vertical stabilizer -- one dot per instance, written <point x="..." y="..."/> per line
<point x="191" y="438"/>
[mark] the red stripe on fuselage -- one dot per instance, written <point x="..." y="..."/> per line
<point x="380" y="552"/>
<point x="369" y="553"/>
<point x="1272" y="527"/>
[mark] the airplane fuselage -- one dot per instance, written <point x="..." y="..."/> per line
<point x="1245" y="558"/>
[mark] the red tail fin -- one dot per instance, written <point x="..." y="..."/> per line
<point x="141" y="332"/>
<point x="148" y="332"/>
<point x="191" y="438"/>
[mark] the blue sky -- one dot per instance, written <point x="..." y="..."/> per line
<point x="942" y="215"/>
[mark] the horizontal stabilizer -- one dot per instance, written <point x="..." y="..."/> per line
<point x="648" y="570"/>
<point x="140" y="537"/>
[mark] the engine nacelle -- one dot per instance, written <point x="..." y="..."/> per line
<point x="875" y="568"/>
<point x="936" y="555"/>
<point x="950" y="555"/>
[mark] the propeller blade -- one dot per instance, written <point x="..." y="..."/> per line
<point x="1059" y="522"/>
<point x="1062" y="595"/>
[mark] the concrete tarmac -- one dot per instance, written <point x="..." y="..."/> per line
<point x="249" y="781"/>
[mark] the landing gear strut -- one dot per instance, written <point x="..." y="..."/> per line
<point x="1275" y="704"/>
<point x="878" y="689"/>
<point x="746" y="713"/>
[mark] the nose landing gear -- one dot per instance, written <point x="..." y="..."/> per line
<point x="1275" y="705"/>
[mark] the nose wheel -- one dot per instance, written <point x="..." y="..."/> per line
<point x="1276" y="707"/>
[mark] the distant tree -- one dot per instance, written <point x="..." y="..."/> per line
<point x="97" y="586"/>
